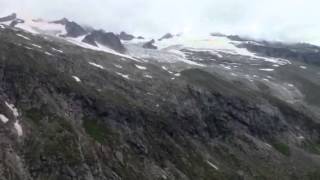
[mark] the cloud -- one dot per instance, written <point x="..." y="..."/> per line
<point x="287" y="20"/>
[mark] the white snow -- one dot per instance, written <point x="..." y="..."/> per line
<point x="212" y="165"/>
<point x="2" y="26"/>
<point x="35" y="45"/>
<point x="96" y="65"/>
<point x="303" y="67"/>
<point x="225" y="67"/>
<point x="276" y="65"/>
<point x="269" y="70"/>
<point x="76" y="78"/>
<point x="13" y="109"/>
<point x="18" y="128"/>
<point x="123" y="75"/>
<point x="215" y="45"/>
<point x="57" y="50"/>
<point x="118" y="66"/>
<point x="148" y="76"/>
<point x="140" y="67"/>
<point x="78" y="41"/>
<point x="268" y="145"/>
<point x="177" y="74"/>
<point x="233" y="74"/>
<point x="49" y="54"/>
<point x="290" y="85"/>
<point x="42" y="27"/>
<point x="301" y="137"/>
<point x="3" y="118"/>
<point x="24" y="37"/>
<point x="28" y="47"/>
<point x="164" y="68"/>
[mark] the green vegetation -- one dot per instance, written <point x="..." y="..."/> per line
<point x="95" y="130"/>
<point x="99" y="131"/>
<point x="282" y="148"/>
<point x="34" y="115"/>
<point x="312" y="147"/>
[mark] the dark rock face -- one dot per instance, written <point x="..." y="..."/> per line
<point x="140" y="37"/>
<point x="11" y="17"/>
<point x="166" y="36"/>
<point x="15" y="22"/>
<point x="299" y="52"/>
<point x="105" y="38"/>
<point x="73" y="29"/>
<point x="126" y="37"/>
<point x="150" y="45"/>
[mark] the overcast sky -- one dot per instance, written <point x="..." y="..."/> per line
<point x="286" y="20"/>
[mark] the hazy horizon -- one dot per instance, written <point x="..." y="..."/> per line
<point x="282" y="20"/>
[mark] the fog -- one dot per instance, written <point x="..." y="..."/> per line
<point x="284" y="20"/>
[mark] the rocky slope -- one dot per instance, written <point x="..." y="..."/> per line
<point x="211" y="110"/>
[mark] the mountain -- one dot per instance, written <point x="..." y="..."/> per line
<point x="108" y="39"/>
<point x="73" y="29"/>
<point x="125" y="36"/>
<point x="166" y="36"/>
<point x="200" y="107"/>
<point x="150" y="45"/>
<point x="11" y="17"/>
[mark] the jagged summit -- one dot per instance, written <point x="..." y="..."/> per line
<point x="109" y="39"/>
<point x="73" y="29"/>
<point x="125" y="36"/>
<point x="150" y="45"/>
<point x="166" y="36"/>
<point x="11" y="17"/>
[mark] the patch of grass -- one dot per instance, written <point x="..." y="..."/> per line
<point x="35" y="115"/>
<point x="282" y="148"/>
<point x="95" y="130"/>
<point x="99" y="131"/>
<point x="312" y="147"/>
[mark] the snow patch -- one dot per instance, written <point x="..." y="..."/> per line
<point x="42" y="27"/>
<point x="269" y="70"/>
<point x="123" y="75"/>
<point x="148" y="76"/>
<point x="49" y="54"/>
<point x="3" y="118"/>
<point x="28" y="48"/>
<point x="96" y="65"/>
<point x="118" y="66"/>
<point x="13" y="109"/>
<point x="57" y="50"/>
<point x="18" y="128"/>
<point x="35" y="45"/>
<point x="212" y="165"/>
<point x="24" y="37"/>
<point x="78" y="41"/>
<point x="76" y="78"/>
<point x="140" y="67"/>
<point x="303" y="67"/>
